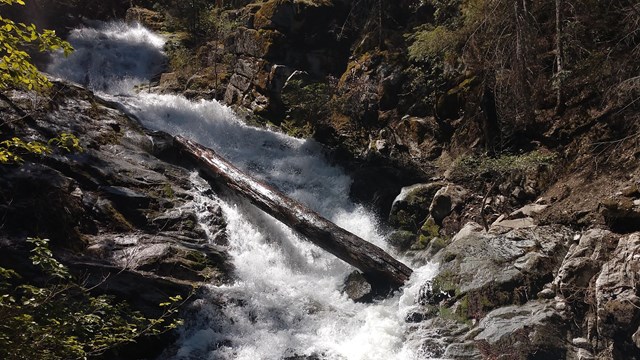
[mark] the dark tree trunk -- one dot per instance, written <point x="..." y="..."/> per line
<point x="378" y="267"/>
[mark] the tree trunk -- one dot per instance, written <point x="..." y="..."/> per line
<point x="378" y="267"/>
<point x="523" y="40"/>
<point x="559" y="58"/>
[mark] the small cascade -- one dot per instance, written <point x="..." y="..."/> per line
<point x="286" y="301"/>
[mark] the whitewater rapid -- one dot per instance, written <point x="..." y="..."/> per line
<point x="286" y="301"/>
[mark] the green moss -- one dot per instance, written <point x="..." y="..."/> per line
<point x="448" y="314"/>
<point x="463" y="307"/>
<point x="438" y="244"/>
<point x="200" y="260"/>
<point x="446" y="281"/>
<point x="472" y="166"/>
<point x="167" y="191"/>
<point x="430" y="228"/>
<point x="117" y="218"/>
<point x="422" y="243"/>
<point x="403" y="219"/>
<point x="479" y="303"/>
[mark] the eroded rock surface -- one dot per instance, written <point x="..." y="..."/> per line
<point x="119" y="213"/>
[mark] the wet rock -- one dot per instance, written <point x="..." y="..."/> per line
<point x="116" y="210"/>
<point x="430" y="296"/>
<point x="358" y="288"/>
<point x="36" y="200"/>
<point x="170" y="257"/>
<point x="419" y="316"/>
<point x="176" y="220"/>
<point x="435" y="334"/>
<point x="126" y="197"/>
<point x="520" y="332"/>
<point x="402" y="239"/>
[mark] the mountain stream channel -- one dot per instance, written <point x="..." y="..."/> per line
<point x="287" y="298"/>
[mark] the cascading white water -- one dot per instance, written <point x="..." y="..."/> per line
<point x="286" y="300"/>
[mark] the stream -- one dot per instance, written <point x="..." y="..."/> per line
<point x="286" y="301"/>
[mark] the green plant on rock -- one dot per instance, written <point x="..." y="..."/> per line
<point x="16" y="68"/>
<point x="60" y="319"/>
<point x="17" y="71"/>
<point x="446" y="282"/>
<point x="472" y="166"/>
<point x="13" y="150"/>
<point x="305" y="100"/>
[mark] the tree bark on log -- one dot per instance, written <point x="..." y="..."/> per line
<point x="379" y="268"/>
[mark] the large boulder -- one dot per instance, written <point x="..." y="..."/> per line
<point x="446" y="200"/>
<point x="483" y="271"/>
<point x="411" y="207"/>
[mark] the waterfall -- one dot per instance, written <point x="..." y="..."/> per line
<point x="286" y="301"/>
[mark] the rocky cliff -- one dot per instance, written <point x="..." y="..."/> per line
<point x="120" y="214"/>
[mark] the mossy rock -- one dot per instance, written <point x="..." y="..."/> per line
<point x="275" y="14"/>
<point x="182" y="263"/>
<point x="411" y="206"/>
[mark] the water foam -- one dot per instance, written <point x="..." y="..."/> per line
<point x="286" y="300"/>
<point x="111" y="57"/>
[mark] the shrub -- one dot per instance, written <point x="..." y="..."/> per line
<point x="60" y="319"/>
<point x="16" y="69"/>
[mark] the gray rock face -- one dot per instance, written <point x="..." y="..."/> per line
<point x="618" y="303"/>
<point x="477" y="260"/>
<point x="445" y="201"/>
<point x="358" y="288"/>
<point x="518" y="332"/>
<point x="481" y="271"/>
<point x="583" y="261"/>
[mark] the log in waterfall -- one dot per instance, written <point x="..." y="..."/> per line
<point x="378" y="267"/>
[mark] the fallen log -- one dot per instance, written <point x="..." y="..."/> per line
<point x="378" y="267"/>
